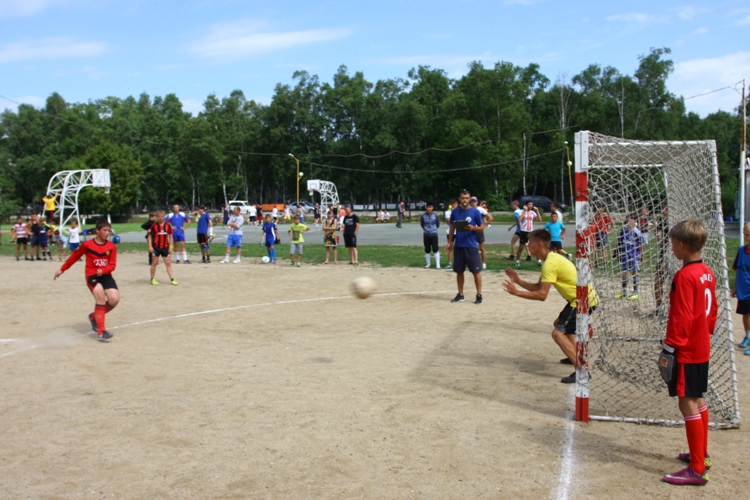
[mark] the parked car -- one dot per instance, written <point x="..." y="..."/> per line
<point x="542" y="202"/>
<point x="244" y="206"/>
<point x="306" y="206"/>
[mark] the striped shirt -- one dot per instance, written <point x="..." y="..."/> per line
<point x="160" y="234"/>
<point x="20" y="230"/>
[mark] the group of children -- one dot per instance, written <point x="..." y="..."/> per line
<point x="39" y="234"/>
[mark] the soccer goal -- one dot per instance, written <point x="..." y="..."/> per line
<point x="658" y="183"/>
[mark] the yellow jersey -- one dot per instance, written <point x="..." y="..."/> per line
<point x="561" y="272"/>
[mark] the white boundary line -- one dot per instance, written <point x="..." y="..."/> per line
<point x="569" y="457"/>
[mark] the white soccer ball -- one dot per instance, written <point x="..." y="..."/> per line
<point x="265" y="259"/>
<point x="363" y="287"/>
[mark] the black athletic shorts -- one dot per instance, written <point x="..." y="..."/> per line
<point x="480" y="236"/>
<point x="566" y="321"/>
<point x="22" y="241"/>
<point x="524" y="235"/>
<point x="105" y="280"/>
<point x="34" y="240"/>
<point x="350" y="240"/>
<point x="743" y="306"/>
<point x="464" y="257"/>
<point x="430" y="243"/>
<point x="555" y="245"/>
<point x="689" y="380"/>
<point x="202" y="239"/>
<point x="161" y="252"/>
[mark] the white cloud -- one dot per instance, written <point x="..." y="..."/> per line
<point x="24" y="8"/>
<point x="245" y="39"/>
<point x="49" y="48"/>
<point x="635" y="17"/>
<point x="689" y="12"/>
<point x="701" y="76"/>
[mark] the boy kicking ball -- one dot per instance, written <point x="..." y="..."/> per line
<point x="101" y="261"/>
<point x="683" y="362"/>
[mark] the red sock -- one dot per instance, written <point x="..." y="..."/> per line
<point x="108" y="307"/>
<point x="704" y="416"/>
<point x="694" y="431"/>
<point x="99" y="312"/>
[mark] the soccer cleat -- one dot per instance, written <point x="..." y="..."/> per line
<point x="570" y="379"/>
<point x="565" y="361"/>
<point x="154" y="282"/>
<point x="479" y="299"/>
<point x="528" y="257"/>
<point x="105" y="335"/>
<point x="300" y="265"/>
<point x="17" y="258"/>
<point x="510" y="257"/>
<point x="518" y="263"/>
<point x="426" y="267"/>
<point x="686" y="476"/>
<point x="539" y="262"/>
<point x="177" y="261"/>
<point x="187" y="262"/>
<point x="458" y="298"/>
<point x="448" y="267"/>
<point x="745" y="343"/>
<point x="38" y="258"/>
<point x="633" y="297"/>
<point x="225" y="261"/>
<point x="622" y="296"/>
<point x="94" y="328"/>
<point x="236" y="261"/>
<point x="174" y="282"/>
<point x="747" y="353"/>
<point x="685" y="457"/>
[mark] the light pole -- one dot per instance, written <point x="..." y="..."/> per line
<point x="298" y="177"/>
<point x="570" y="178"/>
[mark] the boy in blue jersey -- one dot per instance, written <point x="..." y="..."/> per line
<point x="629" y="247"/>
<point x="742" y="287"/>
<point x="430" y="223"/>
<point x="270" y="233"/>
<point x="234" y="239"/>
<point x="465" y="222"/>
<point x="557" y="230"/>
<point x="205" y="228"/>
<point x="179" y="222"/>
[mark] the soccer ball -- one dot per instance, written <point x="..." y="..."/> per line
<point x="265" y="259"/>
<point x="363" y="287"/>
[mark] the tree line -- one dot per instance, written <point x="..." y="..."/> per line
<point x="501" y="132"/>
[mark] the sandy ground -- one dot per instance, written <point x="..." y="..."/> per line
<point x="255" y="381"/>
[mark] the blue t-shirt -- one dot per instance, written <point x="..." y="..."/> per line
<point x="177" y="221"/>
<point x="629" y="243"/>
<point x="742" y="279"/>
<point x="270" y="231"/>
<point x="203" y="223"/>
<point x="430" y="223"/>
<point x="555" y="229"/>
<point x="466" y="239"/>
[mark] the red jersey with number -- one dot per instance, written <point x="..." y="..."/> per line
<point x="692" y="312"/>
<point x="98" y="256"/>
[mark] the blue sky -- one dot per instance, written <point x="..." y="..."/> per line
<point x="91" y="49"/>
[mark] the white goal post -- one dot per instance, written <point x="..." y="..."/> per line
<point x="67" y="185"/>
<point x="659" y="183"/>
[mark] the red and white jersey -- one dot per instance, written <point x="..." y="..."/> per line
<point x="526" y="220"/>
<point x="20" y="230"/>
<point x="98" y="256"/>
<point x="692" y="312"/>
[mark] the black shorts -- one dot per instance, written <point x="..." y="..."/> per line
<point x="555" y="245"/>
<point x="464" y="257"/>
<point x="524" y="235"/>
<point x="689" y="380"/>
<point x="480" y="236"/>
<point x="430" y="243"/>
<point x="22" y="241"/>
<point x="202" y="239"/>
<point x="743" y="306"/>
<point x="34" y="240"/>
<point x="105" y="280"/>
<point x="161" y="252"/>
<point x="566" y="321"/>
<point x="43" y="241"/>
<point x="350" y="240"/>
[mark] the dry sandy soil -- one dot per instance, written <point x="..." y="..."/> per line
<point x="255" y="381"/>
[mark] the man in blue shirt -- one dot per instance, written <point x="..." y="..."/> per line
<point x="465" y="223"/>
<point x="205" y="226"/>
<point x="430" y="223"/>
<point x="179" y="222"/>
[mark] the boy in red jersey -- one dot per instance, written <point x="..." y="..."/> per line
<point x="683" y="362"/>
<point x="160" y="244"/>
<point x="101" y="261"/>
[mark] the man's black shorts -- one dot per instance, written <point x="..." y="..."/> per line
<point x="524" y="235"/>
<point x="464" y="257"/>
<point x="689" y="380"/>
<point x="555" y="245"/>
<point x="202" y="239"/>
<point x="350" y="240"/>
<point x="743" y="307"/>
<point x="161" y="252"/>
<point x="105" y="280"/>
<point x="430" y="243"/>
<point x="566" y="321"/>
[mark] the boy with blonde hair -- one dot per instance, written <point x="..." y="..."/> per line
<point x="683" y="362"/>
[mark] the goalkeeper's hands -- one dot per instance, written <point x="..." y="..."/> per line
<point x="666" y="362"/>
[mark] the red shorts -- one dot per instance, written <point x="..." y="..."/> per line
<point x="689" y="380"/>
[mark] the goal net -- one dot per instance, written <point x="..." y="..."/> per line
<point x="658" y="184"/>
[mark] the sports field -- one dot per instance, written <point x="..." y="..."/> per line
<point x="260" y="381"/>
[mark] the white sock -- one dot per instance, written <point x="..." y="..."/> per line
<point x="747" y="334"/>
<point x="427" y="259"/>
<point x="184" y="255"/>
<point x="437" y="260"/>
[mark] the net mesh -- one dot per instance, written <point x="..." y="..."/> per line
<point x="659" y="184"/>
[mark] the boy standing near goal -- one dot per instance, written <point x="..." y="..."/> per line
<point x="295" y="234"/>
<point x="629" y="248"/>
<point x="683" y="362"/>
<point x="742" y="287"/>
<point x="159" y="245"/>
<point x="430" y="223"/>
<point x="101" y="261"/>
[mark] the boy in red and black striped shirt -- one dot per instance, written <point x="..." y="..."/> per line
<point x="101" y="261"/>
<point x="687" y="347"/>
<point x="159" y="245"/>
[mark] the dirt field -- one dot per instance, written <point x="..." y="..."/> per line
<point x="254" y="381"/>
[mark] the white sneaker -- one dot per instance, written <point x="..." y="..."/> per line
<point x="518" y="263"/>
<point x="236" y="261"/>
<point x="225" y="261"/>
<point x="539" y="262"/>
<point x="484" y="266"/>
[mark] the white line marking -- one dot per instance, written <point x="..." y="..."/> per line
<point x="569" y="458"/>
<point x="5" y="341"/>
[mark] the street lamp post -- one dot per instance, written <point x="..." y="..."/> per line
<point x="298" y="177"/>
<point x="570" y="178"/>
